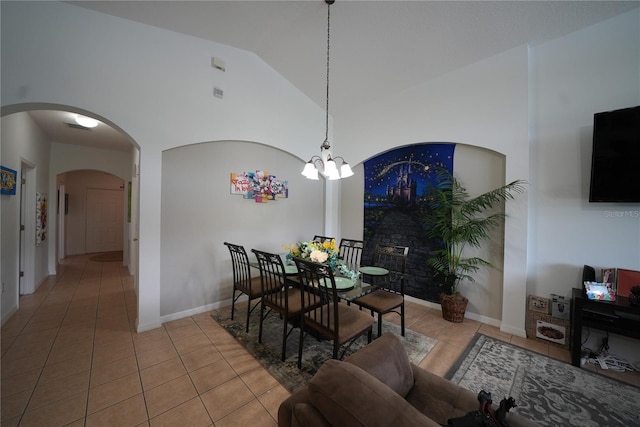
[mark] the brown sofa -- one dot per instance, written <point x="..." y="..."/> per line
<point x="379" y="386"/>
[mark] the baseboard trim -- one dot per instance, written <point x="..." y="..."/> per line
<point x="469" y="315"/>
<point x="197" y="310"/>
<point x="7" y="316"/>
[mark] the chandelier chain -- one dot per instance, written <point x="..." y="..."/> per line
<point x="326" y="136"/>
<point x="326" y="162"/>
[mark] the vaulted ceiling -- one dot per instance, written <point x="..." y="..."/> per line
<point x="377" y="47"/>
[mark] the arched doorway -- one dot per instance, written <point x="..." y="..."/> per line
<point x="46" y="137"/>
<point x="91" y="214"/>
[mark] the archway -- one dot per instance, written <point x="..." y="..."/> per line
<point x="38" y="134"/>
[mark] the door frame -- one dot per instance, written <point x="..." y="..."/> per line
<point x="61" y="211"/>
<point x="27" y="244"/>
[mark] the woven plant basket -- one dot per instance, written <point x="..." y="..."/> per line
<point x="453" y="307"/>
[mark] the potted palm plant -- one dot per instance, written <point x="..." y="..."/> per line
<point x="461" y="221"/>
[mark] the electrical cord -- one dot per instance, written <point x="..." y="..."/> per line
<point x="604" y="347"/>
<point x="586" y="339"/>
<point x="611" y="361"/>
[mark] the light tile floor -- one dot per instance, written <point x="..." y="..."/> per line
<point x="71" y="357"/>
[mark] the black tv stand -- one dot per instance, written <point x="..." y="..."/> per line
<point x="618" y="317"/>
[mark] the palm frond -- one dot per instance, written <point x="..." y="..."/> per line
<point x="459" y="220"/>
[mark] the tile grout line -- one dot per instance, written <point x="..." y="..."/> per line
<point x="256" y="397"/>
<point x="48" y="295"/>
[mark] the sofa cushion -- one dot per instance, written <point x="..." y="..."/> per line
<point x="348" y="396"/>
<point x="387" y="360"/>
<point x="305" y="414"/>
<point x="439" y="398"/>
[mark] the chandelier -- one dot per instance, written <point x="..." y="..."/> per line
<point x="325" y="162"/>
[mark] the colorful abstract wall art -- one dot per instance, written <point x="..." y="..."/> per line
<point x="259" y="186"/>
<point x="9" y="178"/>
<point x="41" y="218"/>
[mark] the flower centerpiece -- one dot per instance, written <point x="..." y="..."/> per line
<point x="350" y="274"/>
<point x="323" y="252"/>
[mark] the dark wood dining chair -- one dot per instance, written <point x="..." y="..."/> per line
<point x="390" y="295"/>
<point x="243" y="282"/>
<point x="278" y="295"/>
<point x="322" y="239"/>
<point x="329" y="318"/>
<point x="351" y="253"/>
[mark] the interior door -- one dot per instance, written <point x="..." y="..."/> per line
<point x="105" y="219"/>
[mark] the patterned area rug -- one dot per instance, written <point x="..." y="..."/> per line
<point x="551" y="392"/>
<point x="315" y="351"/>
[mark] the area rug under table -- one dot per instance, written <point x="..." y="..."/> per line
<point x="548" y="391"/>
<point x="315" y="353"/>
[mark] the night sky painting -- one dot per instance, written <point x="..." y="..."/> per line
<point x="396" y="183"/>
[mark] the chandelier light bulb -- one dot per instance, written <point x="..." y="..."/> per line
<point x="310" y="171"/>
<point x="345" y="170"/>
<point x="330" y="168"/>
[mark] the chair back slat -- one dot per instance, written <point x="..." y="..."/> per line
<point x="241" y="267"/>
<point x="272" y="278"/>
<point x="322" y="239"/>
<point x="351" y="253"/>
<point x="394" y="259"/>
<point x="320" y="302"/>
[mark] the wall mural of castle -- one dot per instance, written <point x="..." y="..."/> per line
<point x="395" y="200"/>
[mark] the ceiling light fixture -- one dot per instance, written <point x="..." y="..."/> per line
<point x="325" y="162"/>
<point x="86" y="122"/>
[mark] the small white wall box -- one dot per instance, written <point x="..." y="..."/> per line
<point x="560" y="307"/>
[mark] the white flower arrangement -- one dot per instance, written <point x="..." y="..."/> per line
<point x="323" y="252"/>
<point x="318" y="256"/>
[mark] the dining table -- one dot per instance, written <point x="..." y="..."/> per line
<point x="347" y="289"/>
<point x="290" y="269"/>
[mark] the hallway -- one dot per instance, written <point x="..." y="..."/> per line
<point x="71" y="356"/>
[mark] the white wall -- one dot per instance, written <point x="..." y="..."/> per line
<point x="22" y="141"/>
<point x="157" y="87"/>
<point x="199" y="213"/>
<point x="594" y="70"/>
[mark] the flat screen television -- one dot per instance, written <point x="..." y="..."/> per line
<point x="615" y="161"/>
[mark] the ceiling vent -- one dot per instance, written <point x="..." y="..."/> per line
<point x="77" y="126"/>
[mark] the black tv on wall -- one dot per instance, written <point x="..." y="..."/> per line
<point x="615" y="161"/>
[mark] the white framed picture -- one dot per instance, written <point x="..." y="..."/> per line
<point x="550" y="332"/>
